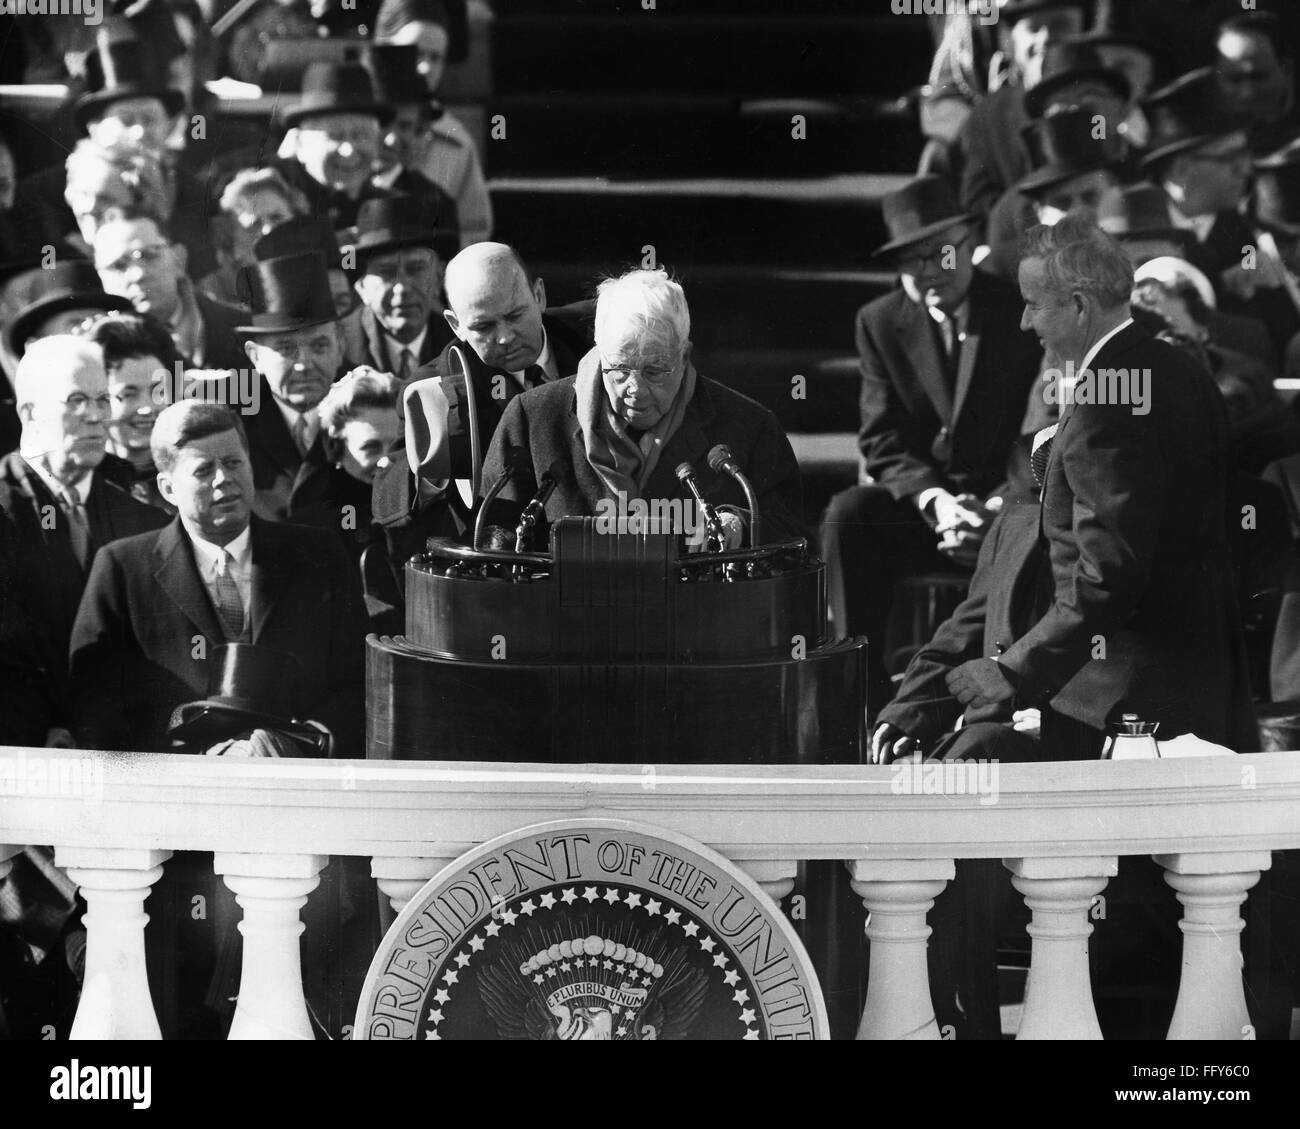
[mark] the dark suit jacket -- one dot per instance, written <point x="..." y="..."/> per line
<point x="544" y="421"/>
<point x="28" y="702"/>
<point x="437" y="338"/>
<point x="135" y="652"/>
<point x="995" y="153"/>
<point x="285" y="482"/>
<point x="406" y="525"/>
<point x="1140" y="570"/>
<point x="914" y="433"/>
<point x="45" y="557"/>
<point x="998" y="608"/>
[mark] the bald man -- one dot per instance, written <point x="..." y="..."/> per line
<point x="62" y="506"/>
<point x="510" y="341"/>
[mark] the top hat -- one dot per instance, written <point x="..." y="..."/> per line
<point x="1186" y="114"/>
<point x="297" y="235"/>
<point x="1141" y="211"/>
<point x="1070" y="150"/>
<point x="287" y="293"/>
<point x="68" y="285"/>
<point x="395" y="70"/>
<point x="921" y="208"/>
<point x="1014" y="9"/>
<point x="337" y="88"/>
<point x="1277" y="189"/>
<point x="1071" y="63"/>
<point x="388" y="222"/>
<point x="249" y="687"/>
<point x="118" y="69"/>
<point x="452" y="15"/>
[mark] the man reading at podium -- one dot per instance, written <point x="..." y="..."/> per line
<point x="616" y="435"/>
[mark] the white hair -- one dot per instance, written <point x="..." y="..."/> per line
<point x="62" y="351"/>
<point x="642" y="304"/>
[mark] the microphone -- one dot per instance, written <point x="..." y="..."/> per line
<point x="514" y="461"/>
<point x="717" y="534"/>
<point x="722" y="461"/>
<point x="536" y="508"/>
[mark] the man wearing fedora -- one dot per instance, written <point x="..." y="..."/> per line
<point x="399" y="265"/>
<point x="409" y="138"/>
<point x="994" y="156"/>
<point x="1078" y="172"/>
<point x="137" y="260"/>
<point x="336" y="129"/>
<point x="294" y="343"/>
<point x="128" y="107"/>
<point x="946" y="378"/>
<point x="1200" y="157"/>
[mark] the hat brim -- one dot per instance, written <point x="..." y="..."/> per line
<point x="1050" y="175"/>
<point x="439" y="241"/>
<point x="1184" y="238"/>
<point x="273" y="323"/>
<point x="19" y="331"/>
<point x="381" y="111"/>
<point x="215" y="720"/>
<point x="1173" y="148"/>
<point x="88" y="105"/>
<point x="921" y="234"/>
<point x="1036" y="99"/>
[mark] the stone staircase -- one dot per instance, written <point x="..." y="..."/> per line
<point x="667" y="136"/>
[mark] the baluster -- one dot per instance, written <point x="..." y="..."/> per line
<point x="898" y="893"/>
<point x="271" y="889"/>
<point x="402" y="878"/>
<point x="115" y="1001"/>
<point x="1058" y="994"/>
<point x="1211" y="887"/>
<point x="776" y="876"/>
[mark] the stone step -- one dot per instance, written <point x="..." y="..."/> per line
<point x="571" y="134"/>
<point x="631" y="50"/>
<point x="828" y="224"/>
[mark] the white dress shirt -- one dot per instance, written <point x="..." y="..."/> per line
<point x="396" y="349"/>
<point x="545" y="359"/>
<point x="311" y="416"/>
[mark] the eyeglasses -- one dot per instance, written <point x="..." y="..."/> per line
<point x="145" y="256"/>
<point x="916" y="261"/>
<point x="652" y="374"/>
<point x="78" y="402"/>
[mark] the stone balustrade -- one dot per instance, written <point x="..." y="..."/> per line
<point x="1060" y="828"/>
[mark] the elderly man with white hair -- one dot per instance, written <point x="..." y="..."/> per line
<point x="62" y="507"/>
<point x="617" y="431"/>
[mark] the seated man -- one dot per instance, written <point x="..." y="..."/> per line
<point x="157" y="606"/>
<point x="946" y="377"/>
<point x="637" y="409"/>
<point x="137" y="260"/>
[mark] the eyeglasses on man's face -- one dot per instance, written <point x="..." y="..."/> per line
<point x="146" y="257"/>
<point x="652" y="370"/>
<point x="914" y="262"/>
<point x="79" y="403"/>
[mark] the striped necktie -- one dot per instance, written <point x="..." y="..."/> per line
<point x="78" y="526"/>
<point x="230" y="608"/>
<point x="1041" y="452"/>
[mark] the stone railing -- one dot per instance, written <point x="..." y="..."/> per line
<point x="114" y="819"/>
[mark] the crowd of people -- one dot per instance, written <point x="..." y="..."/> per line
<point x="236" y="395"/>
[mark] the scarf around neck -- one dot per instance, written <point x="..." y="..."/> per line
<point x="623" y="464"/>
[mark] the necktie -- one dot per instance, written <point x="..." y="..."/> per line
<point x="404" y="365"/>
<point x="1041" y="452"/>
<point x="300" y="435"/>
<point x="534" y="375"/>
<point x="230" y="608"/>
<point x="78" y="527"/>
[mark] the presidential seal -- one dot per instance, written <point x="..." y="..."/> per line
<point x="585" y="931"/>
